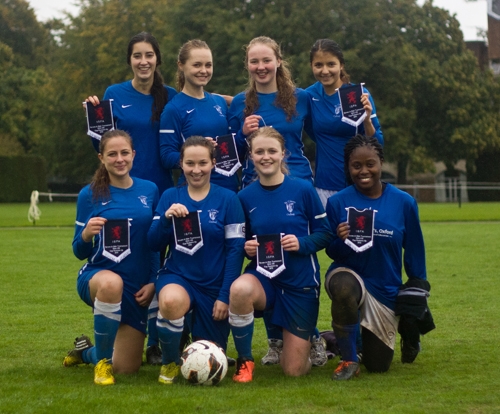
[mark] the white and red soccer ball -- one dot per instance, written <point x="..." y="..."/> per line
<point x="203" y="363"/>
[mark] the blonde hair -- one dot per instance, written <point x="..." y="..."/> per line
<point x="270" y="132"/>
<point x="183" y="56"/>
<point x="285" y="98"/>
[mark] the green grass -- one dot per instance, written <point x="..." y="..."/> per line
<point x="452" y="212"/>
<point x="56" y="214"/>
<point x="457" y="371"/>
<point x="59" y="214"/>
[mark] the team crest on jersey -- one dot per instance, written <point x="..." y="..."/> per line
<point x="338" y="108"/>
<point x="212" y="214"/>
<point x="144" y="200"/>
<point x="219" y="110"/>
<point x="290" y="205"/>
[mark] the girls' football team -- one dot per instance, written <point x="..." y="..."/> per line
<point x="277" y="220"/>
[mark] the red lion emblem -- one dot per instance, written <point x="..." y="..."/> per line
<point x="269" y="246"/>
<point x="223" y="148"/>
<point x="360" y="222"/>
<point x="99" y="113"/>
<point x="116" y="232"/>
<point x="187" y="225"/>
<point x="351" y="97"/>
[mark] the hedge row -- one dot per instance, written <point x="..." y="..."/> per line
<point x="19" y="176"/>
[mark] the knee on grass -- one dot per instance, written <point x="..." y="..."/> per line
<point x="295" y="367"/>
<point x="377" y="356"/>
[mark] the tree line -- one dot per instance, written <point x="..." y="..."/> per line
<point x="433" y="102"/>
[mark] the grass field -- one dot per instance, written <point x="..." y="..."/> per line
<point x="456" y="372"/>
<point x="59" y="214"/>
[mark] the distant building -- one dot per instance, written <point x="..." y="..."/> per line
<point x="480" y="50"/>
<point x="434" y="186"/>
<point x="452" y="186"/>
<point x="494" y="35"/>
<point x="488" y="54"/>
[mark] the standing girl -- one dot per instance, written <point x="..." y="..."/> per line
<point x="194" y="111"/>
<point x="326" y="127"/>
<point x="137" y="106"/>
<point x="197" y="279"/>
<point x="279" y="204"/>
<point x="114" y="213"/>
<point x="271" y="99"/>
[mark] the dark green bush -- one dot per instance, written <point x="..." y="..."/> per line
<point x="19" y="176"/>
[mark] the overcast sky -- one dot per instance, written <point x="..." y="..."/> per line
<point x="471" y="15"/>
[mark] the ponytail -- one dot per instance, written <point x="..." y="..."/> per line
<point x="100" y="185"/>
<point x="160" y="96"/>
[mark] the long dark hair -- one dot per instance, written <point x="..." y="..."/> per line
<point x="329" y="46"/>
<point x="158" y="91"/>
<point x="100" y="181"/>
<point x="357" y="142"/>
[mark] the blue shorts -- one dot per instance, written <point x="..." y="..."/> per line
<point x="295" y="310"/>
<point x="133" y="314"/>
<point x="203" y="325"/>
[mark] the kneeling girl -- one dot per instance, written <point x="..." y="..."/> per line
<point x="278" y="204"/>
<point x="202" y="224"/>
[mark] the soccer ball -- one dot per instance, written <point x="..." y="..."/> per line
<point x="203" y="362"/>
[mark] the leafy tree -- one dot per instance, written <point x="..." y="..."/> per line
<point x="24" y="44"/>
<point x="21" y="98"/>
<point x="20" y="30"/>
<point x="425" y="82"/>
<point x="458" y="105"/>
<point x="91" y="55"/>
<point x="228" y="25"/>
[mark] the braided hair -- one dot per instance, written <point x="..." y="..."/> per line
<point x="357" y="142"/>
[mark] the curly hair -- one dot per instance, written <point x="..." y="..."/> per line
<point x="285" y="97"/>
